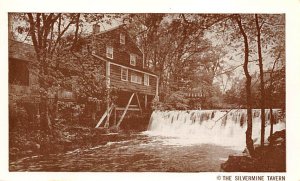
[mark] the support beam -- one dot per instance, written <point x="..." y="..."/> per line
<point x="103" y="116"/>
<point x="108" y="92"/>
<point x="137" y="97"/>
<point x="107" y="70"/>
<point x="106" y="125"/>
<point x="38" y="116"/>
<point x="115" y="117"/>
<point x="129" y="109"/>
<point x="122" y="117"/>
<point x="146" y="101"/>
<point x="156" y="92"/>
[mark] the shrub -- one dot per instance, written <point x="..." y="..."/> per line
<point x="174" y="101"/>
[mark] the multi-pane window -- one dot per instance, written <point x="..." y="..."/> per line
<point x="132" y="59"/>
<point x="124" y="74"/>
<point x="109" y="52"/>
<point x="136" y="78"/>
<point x="146" y="79"/>
<point x="122" y="38"/>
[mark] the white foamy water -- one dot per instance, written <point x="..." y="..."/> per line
<point x="220" y="127"/>
<point x="176" y="141"/>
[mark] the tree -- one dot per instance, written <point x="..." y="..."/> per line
<point x="270" y="41"/>
<point x="249" y="141"/>
<point x="42" y="32"/>
<point x="60" y="49"/>
<point x="175" y="47"/>
<point x="262" y="85"/>
<point x="273" y="42"/>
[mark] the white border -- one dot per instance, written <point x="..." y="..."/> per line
<point x="290" y="7"/>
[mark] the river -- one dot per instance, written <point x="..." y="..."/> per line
<point x="140" y="153"/>
<point x="194" y="141"/>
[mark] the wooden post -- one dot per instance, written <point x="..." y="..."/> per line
<point x="103" y="116"/>
<point x="146" y="103"/>
<point x="137" y="97"/>
<point x="56" y="106"/>
<point x="143" y="52"/>
<point x="115" y="117"/>
<point x="122" y="117"/>
<point x="108" y="92"/>
<point x="107" y="75"/>
<point x="107" y="119"/>
<point x="107" y="108"/>
<point x="38" y="116"/>
<point x="157" y="84"/>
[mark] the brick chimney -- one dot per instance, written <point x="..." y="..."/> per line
<point x="96" y="28"/>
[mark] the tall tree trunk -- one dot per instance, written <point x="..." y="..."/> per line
<point x="249" y="141"/>
<point x="271" y="121"/>
<point x="45" y="118"/>
<point x="262" y="84"/>
<point x="40" y="49"/>
<point x="270" y="95"/>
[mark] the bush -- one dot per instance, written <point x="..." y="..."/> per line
<point x="22" y="115"/>
<point x="174" y="101"/>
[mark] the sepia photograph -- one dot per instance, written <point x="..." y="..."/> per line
<point x="147" y="92"/>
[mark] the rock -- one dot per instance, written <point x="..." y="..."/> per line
<point x="14" y="150"/>
<point x="239" y="164"/>
<point x="246" y="151"/>
<point x="278" y="138"/>
<point x="270" y="158"/>
<point x="78" y="129"/>
<point x="101" y="130"/>
<point x="37" y="146"/>
<point x="114" y="129"/>
<point x="28" y="152"/>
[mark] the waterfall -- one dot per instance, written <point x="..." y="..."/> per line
<point x="220" y="127"/>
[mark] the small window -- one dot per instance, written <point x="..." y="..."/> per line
<point x="122" y="38"/>
<point x="136" y="78"/>
<point x="132" y="59"/>
<point x="146" y="79"/>
<point x="109" y="52"/>
<point x="124" y="74"/>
